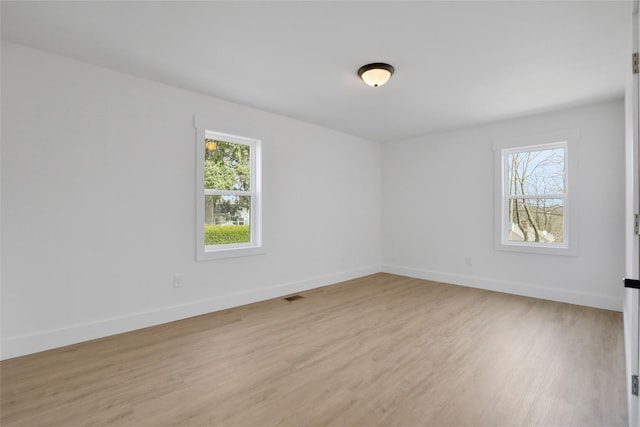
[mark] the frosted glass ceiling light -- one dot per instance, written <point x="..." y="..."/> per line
<point x="375" y="74"/>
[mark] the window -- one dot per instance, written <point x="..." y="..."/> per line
<point x="228" y="196"/>
<point x="535" y="195"/>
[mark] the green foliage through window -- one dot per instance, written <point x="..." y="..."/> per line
<point x="226" y="234"/>
<point x="227" y="183"/>
<point x="226" y="166"/>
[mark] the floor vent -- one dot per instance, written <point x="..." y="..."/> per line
<point x="293" y="297"/>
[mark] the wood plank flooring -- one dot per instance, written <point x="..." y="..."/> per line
<point x="382" y="350"/>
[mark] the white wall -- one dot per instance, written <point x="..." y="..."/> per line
<point x="98" y="175"/>
<point x="438" y="209"/>
<point x="98" y="199"/>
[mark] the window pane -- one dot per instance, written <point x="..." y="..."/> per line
<point x="536" y="220"/>
<point x="226" y="166"/>
<point x="536" y="172"/>
<point x="226" y="219"/>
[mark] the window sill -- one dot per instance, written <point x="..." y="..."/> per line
<point x="224" y="253"/>
<point x="536" y="249"/>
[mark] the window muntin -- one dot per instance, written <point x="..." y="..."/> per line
<point x="229" y="195"/>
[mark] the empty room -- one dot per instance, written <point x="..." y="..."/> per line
<point x="319" y="213"/>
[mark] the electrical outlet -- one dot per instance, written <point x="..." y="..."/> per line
<point x="177" y="281"/>
<point x="467" y="260"/>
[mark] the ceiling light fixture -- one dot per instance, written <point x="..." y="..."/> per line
<point x="376" y="74"/>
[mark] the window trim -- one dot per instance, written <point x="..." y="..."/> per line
<point x="255" y="246"/>
<point x="566" y="138"/>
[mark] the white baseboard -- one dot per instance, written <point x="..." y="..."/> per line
<point x="509" y="287"/>
<point x="46" y="340"/>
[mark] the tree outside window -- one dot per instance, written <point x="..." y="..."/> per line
<point x="228" y="194"/>
<point x="227" y="183"/>
<point x="536" y="195"/>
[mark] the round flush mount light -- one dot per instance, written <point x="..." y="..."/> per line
<point x="376" y="74"/>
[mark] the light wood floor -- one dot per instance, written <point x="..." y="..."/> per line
<point x="382" y="350"/>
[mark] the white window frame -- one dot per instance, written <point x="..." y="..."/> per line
<point x="255" y="246"/>
<point x="565" y="138"/>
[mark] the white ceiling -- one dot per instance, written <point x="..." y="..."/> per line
<point x="457" y="63"/>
